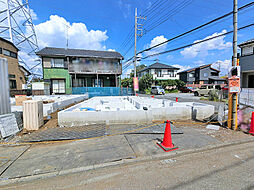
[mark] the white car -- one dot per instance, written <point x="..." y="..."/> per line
<point x="205" y="89"/>
<point x="157" y="90"/>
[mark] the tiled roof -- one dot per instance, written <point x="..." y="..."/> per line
<point x="246" y="42"/>
<point x="192" y="69"/>
<point x="9" y="42"/>
<point x="159" y="66"/>
<point x="50" y="51"/>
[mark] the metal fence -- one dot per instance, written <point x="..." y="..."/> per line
<point x="246" y="96"/>
<point x="102" y="91"/>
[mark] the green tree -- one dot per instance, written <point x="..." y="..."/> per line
<point x="127" y="82"/>
<point x="145" y="82"/>
<point x="140" y="67"/>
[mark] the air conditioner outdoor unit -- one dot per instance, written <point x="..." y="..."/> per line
<point x="32" y="114"/>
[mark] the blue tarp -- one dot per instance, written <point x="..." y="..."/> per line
<point x="102" y="91"/>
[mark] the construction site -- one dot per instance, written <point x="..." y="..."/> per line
<point x="85" y="116"/>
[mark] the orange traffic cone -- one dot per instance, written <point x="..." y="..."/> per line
<point x="167" y="144"/>
<point x="252" y="124"/>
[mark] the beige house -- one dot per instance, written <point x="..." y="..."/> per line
<point x="17" y="73"/>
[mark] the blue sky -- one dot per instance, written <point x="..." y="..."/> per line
<point x="104" y="24"/>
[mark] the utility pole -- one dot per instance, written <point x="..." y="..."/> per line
<point x="135" y="50"/>
<point x="232" y="118"/>
<point x="234" y="95"/>
<point x="138" y="27"/>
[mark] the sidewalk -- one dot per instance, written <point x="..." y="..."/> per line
<point x="36" y="159"/>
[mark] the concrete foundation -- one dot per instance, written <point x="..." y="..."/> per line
<point x="60" y="102"/>
<point x="131" y="110"/>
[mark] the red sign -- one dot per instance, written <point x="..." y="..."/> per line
<point x="234" y="84"/>
<point x="135" y="84"/>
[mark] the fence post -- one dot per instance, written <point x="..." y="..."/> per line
<point x="5" y="106"/>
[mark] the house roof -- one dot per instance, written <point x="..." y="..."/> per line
<point x="217" y="78"/>
<point x="200" y="67"/>
<point x="51" y="51"/>
<point x="24" y="69"/>
<point x="9" y="42"/>
<point x="158" y="66"/>
<point x="246" y="42"/>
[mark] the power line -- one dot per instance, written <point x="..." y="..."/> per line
<point x="201" y="26"/>
<point x="198" y="42"/>
<point x="179" y="7"/>
<point x="192" y="30"/>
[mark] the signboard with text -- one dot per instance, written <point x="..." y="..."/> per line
<point x="135" y="84"/>
<point x="234" y="84"/>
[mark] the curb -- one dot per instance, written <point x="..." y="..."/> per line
<point x="5" y="182"/>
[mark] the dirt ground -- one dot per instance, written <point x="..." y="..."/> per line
<point x="223" y="134"/>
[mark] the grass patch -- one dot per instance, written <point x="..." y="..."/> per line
<point x="172" y="91"/>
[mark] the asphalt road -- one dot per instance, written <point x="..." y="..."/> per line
<point x="224" y="168"/>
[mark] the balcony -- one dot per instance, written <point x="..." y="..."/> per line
<point x="95" y="68"/>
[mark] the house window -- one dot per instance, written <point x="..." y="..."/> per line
<point x="171" y="73"/>
<point x="100" y="82"/>
<point x="6" y="52"/>
<point x="58" y="86"/>
<point x="158" y="72"/>
<point x="13" y="54"/>
<point x="214" y="74"/>
<point x="56" y="62"/>
<point x="80" y="82"/>
<point x="205" y="74"/>
<point x="11" y="76"/>
<point x="13" y="84"/>
<point x="191" y="75"/>
<point x="1" y="50"/>
<point x="251" y="81"/>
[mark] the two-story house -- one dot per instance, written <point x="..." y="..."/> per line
<point x="160" y="71"/>
<point x="246" y="62"/>
<point x="17" y="73"/>
<point x="205" y="74"/>
<point x="67" y="68"/>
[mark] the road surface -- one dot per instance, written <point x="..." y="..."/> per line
<point x="230" y="167"/>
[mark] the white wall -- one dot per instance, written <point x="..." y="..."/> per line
<point x="165" y="75"/>
<point x="247" y="50"/>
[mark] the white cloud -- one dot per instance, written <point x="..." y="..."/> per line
<point x="54" y="31"/>
<point x="182" y="67"/>
<point x="155" y="41"/>
<point x="203" y="48"/>
<point x="199" y="62"/>
<point x="223" y="66"/>
<point x="125" y="8"/>
<point x="170" y="57"/>
<point x="111" y="50"/>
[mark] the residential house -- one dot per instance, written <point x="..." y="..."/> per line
<point x="67" y="68"/>
<point x="246" y="62"/>
<point x="205" y="74"/>
<point x="17" y="73"/>
<point x="160" y="71"/>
